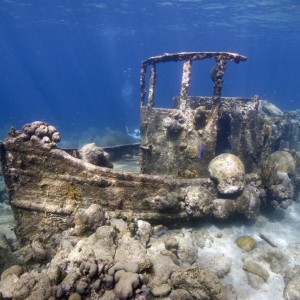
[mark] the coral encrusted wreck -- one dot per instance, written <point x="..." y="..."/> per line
<point x="87" y="230"/>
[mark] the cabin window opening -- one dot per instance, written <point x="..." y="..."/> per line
<point x="167" y="85"/>
<point x="201" y="81"/>
<point x="223" y="135"/>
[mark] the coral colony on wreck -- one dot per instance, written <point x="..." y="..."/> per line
<point x="88" y="230"/>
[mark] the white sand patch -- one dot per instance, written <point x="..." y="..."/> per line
<point x="282" y="227"/>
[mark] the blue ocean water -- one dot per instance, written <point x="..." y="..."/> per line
<point x="76" y="64"/>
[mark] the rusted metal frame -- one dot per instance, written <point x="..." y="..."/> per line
<point x="183" y="56"/>
<point x="185" y="83"/>
<point x="143" y="84"/>
<point x="151" y="85"/>
<point x="221" y="62"/>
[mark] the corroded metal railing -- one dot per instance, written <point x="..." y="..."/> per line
<point x="217" y="72"/>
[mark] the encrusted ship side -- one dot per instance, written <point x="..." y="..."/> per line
<point x="47" y="185"/>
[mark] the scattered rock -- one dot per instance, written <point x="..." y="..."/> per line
<point x="54" y="273"/>
<point x="131" y="250"/>
<point x="269" y="108"/>
<point x="101" y="244"/>
<point x="198" y="201"/>
<point x="144" y="232"/>
<point x="88" y="220"/>
<point x="181" y="294"/>
<point x="229" y="172"/>
<point x="128" y="267"/>
<point x="246" y="243"/>
<point x="126" y="283"/>
<point x="119" y="224"/>
<point x="95" y="155"/>
<point x="171" y="255"/>
<point x="292" y="287"/>
<point x="281" y="161"/>
<point x="222" y="208"/>
<point x="41" y="132"/>
<point x="278" y="173"/>
<point x="161" y="290"/>
<point x="248" y="203"/>
<point x="38" y="251"/>
<point x="187" y="252"/>
<point x="201" y="237"/>
<point x="13" y="270"/>
<point x="67" y="285"/>
<point x="163" y="203"/>
<point x="32" y="285"/>
<point x="8" y="280"/>
<point x="217" y="263"/>
<point x="278" y="260"/>
<point x="74" y="296"/>
<point x="6" y="256"/>
<point x="163" y="267"/>
<point x="171" y="243"/>
<point x="255" y="268"/>
<point x="200" y="283"/>
<point x="109" y="295"/>
<point x="89" y="268"/>
<point x="255" y="281"/>
<point x="231" y="292"/>
<point x="81" y="285"/>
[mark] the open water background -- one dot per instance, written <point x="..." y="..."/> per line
<point x="75" y="64"/>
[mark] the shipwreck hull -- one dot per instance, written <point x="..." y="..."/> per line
<point x="46" y="186"/>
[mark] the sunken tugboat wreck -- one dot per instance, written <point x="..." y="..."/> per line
<point x="205" y="157"/>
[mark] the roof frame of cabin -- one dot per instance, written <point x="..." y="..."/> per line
<point x="221" y="59"/>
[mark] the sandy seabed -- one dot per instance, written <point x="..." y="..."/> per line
<point x="282" y="227"/>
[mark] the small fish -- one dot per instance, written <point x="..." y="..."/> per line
<point x="201" y="151"/>
<point x="160" y="232"/>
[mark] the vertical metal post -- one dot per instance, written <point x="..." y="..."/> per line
<point x="143" y="84"/>
<point x="185" y="83"/>
<point x="151" y="85"/>
<point x="218" y="78"/>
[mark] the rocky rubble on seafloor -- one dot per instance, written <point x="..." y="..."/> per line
<point x="130" y="259"/>
<point x="116" y="261"/>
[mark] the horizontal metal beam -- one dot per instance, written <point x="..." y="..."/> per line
<point x="181" y="56"/>
<point x="221" y="59"/>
